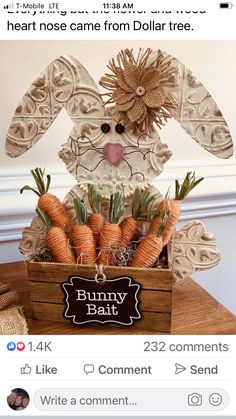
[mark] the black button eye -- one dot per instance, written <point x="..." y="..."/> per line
<point x="119" y="128"/>
<point x="105" y="128"/>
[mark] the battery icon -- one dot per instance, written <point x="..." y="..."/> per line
<point x="226" y="5"/>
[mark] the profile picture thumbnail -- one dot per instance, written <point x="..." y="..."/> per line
<point x="18" y="399"/>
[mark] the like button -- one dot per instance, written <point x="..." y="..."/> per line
<point x="26" y="369"/>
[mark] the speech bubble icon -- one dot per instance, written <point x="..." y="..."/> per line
<point x="88" y="368"/>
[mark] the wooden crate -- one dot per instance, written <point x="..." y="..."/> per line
<point x="155" y="295"/>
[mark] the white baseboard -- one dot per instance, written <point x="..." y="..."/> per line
<point x="215" y="197"/>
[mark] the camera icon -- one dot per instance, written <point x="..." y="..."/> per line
<point x="195" y="399"/>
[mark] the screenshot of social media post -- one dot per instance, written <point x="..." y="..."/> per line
<point x="118" y="209"/>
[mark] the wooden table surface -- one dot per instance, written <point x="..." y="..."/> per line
<point x="194" y="310"/>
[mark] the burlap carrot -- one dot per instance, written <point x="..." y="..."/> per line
<point x="48" y="203"/>
<point x="181" y="191"/>
<point x="129" y="225"/>
<point x="57" y="241"/>
<point x="96" y="220"/>
<point x="82" y="236"/>
<point x="151" y="245"/>
<point x="110" y="237"/>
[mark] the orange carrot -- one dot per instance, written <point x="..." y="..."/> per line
<point x="82" y="236"/>
<point x="175" y="209"/>
<point x="109" y="241"/>
<point x="151" y="246"/>
<point x="129" y="225"/>
<point x="147" y="252"/>
<point x="57" y="241"/>
<point x="129" y="229"/>
<point x="110" y="237"/>
<point x="181" y="191"/>
<point x="96" y="220"/>
<point x="48" y="203"/>
<point x="156" y="219"/>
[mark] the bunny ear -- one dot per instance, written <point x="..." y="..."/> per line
<point x="197" y="112"/>
<point x="64" y="83"/>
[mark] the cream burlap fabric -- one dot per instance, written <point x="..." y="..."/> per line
<point x="7" y="298"/>
<point x="12" y="320"/>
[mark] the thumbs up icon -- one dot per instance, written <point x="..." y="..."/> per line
<point x="26" y="369"/>
<point x="11" y="346"/>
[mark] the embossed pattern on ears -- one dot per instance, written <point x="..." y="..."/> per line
<point x="198" y="113"/>
<point x="193" y="249"/>
<point x="64" y="83"/>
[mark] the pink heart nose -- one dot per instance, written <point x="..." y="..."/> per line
<point x="113" y="153"/>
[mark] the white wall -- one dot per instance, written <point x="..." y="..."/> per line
<point x="212" y="62"/>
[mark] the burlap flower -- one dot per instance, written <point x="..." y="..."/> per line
<point x="139" y="89"/>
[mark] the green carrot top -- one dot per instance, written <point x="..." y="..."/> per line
<point x="43" y="217"/>
<point x="189" y="182"/>
<point x="140" y="203"/>
<point x="116" y="207"/>
<point x="41" y="183"/>
<point x="81" y="211"/>
<point x="95" y="198"/>
<point x="165" y="215"/>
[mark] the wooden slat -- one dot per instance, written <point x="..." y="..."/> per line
<point x="159" y="301"/>
<point x="150" y="321"/>
<point x="156" y="301"/>
<point x="188" y="303"/>
<point x="39" y="327"/>
<point x="161" y="279"/>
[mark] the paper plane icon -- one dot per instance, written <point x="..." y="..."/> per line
<point x="179" y="368"/>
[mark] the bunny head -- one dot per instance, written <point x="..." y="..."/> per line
<point x="116" y="143"/>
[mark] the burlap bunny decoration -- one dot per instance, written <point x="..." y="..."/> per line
<point x="115" y="142"/>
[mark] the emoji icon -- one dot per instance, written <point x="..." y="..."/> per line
<point x="215" y="399"/>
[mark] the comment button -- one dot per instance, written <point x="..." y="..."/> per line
<point x="131" y="399"/>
